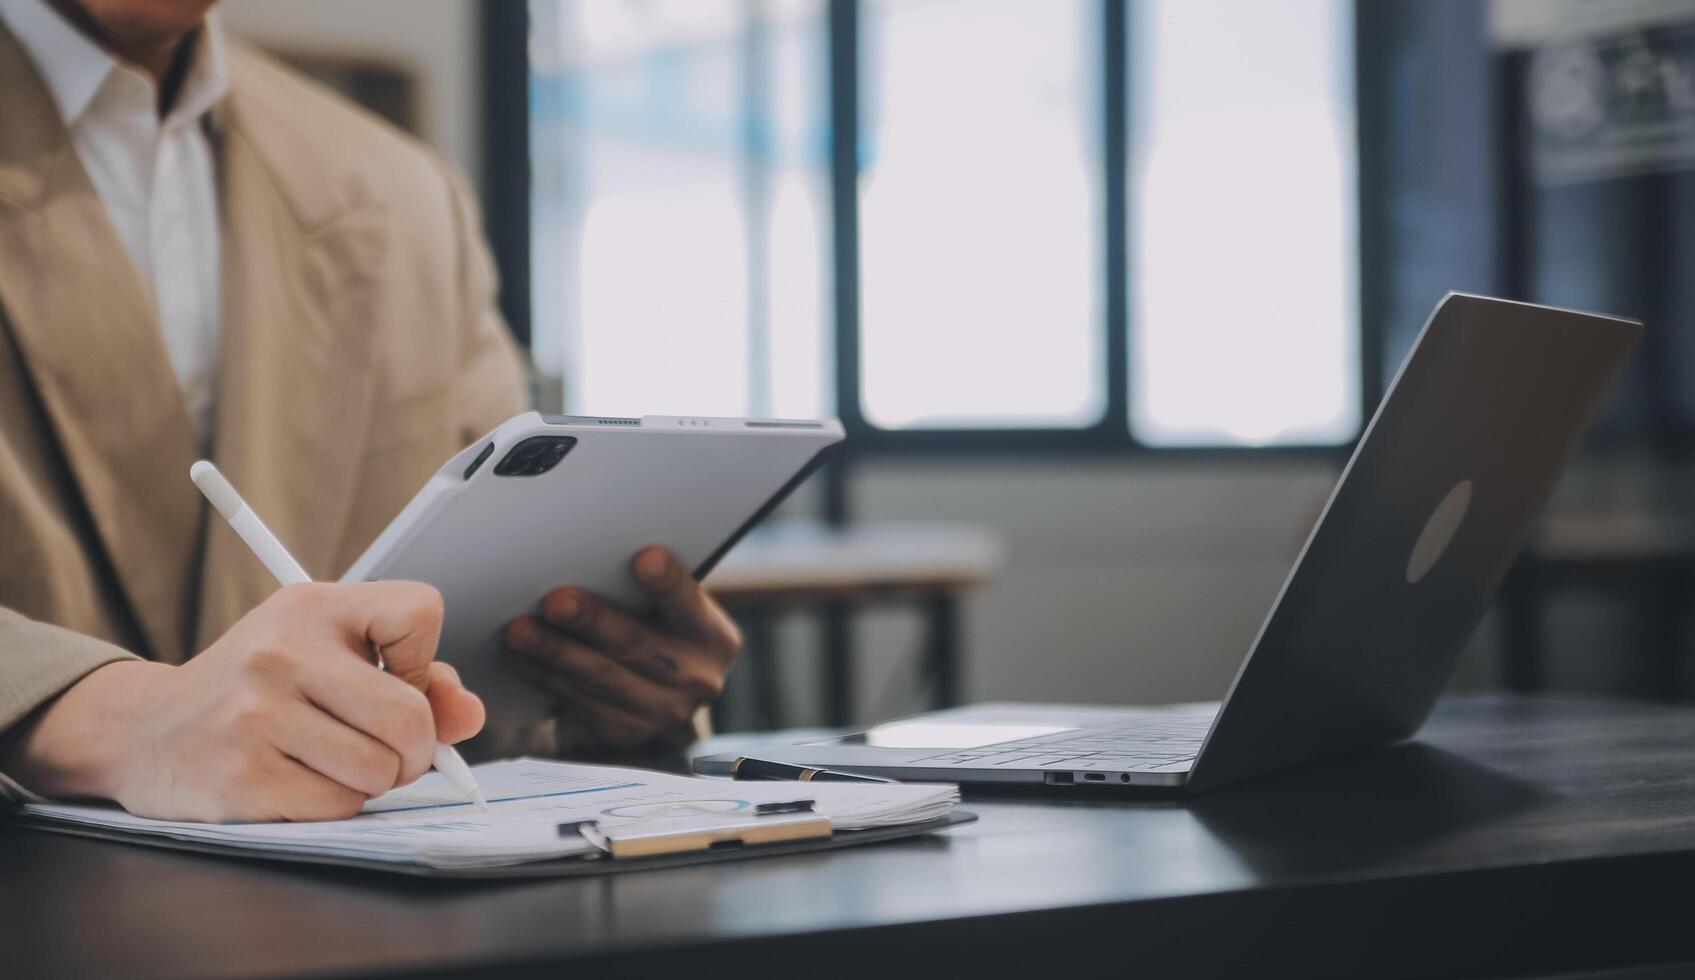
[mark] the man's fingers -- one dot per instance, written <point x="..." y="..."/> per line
<point x="290" y="790"/>
<point x="402" y="619"/>
<point x="380" y="705"/>
<point x="626" y="678"/>
<point x="592" y="671"/>
<point x="541" y="676"/>
<point x="327" y="746"/>
<point x="458" y="712"/>
<point x="577" y="612"/>
<point x="609" y="724"/>
<point x="614" y="727"/>
<point x="649" y="653"/>
<point x="682" y="603"/>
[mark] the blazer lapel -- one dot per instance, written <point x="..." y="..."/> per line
<point x="85" y="324"/>
<point x="304" y="250"/>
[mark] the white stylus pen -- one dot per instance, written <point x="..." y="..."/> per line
<point x="287" y="571"/>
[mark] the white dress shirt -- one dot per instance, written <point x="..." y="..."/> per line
<point x="156" y="177"/>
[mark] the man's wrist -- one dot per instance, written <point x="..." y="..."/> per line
<point x="79" y="743"/>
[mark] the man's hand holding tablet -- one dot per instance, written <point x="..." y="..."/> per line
<point x="570" y="551"/>
<point x="624" y="681"/>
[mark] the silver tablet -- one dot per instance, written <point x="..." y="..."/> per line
<point x="545" y="501"/>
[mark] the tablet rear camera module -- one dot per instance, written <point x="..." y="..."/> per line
<point x="535" y="455"/>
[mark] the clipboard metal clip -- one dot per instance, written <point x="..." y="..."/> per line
<point x="645" y="836"/>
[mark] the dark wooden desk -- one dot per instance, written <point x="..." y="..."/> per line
<point x="1520" y="836"/>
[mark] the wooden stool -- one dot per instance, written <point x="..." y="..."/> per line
<point x="810" y="566"/>
<point x="1649" y="564"/>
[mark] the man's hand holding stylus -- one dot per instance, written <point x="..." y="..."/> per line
<point x="283" y="718"/>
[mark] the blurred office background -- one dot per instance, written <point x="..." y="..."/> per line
<point x="1107" y="286"/>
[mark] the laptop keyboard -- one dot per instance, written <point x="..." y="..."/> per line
<point x="1156" y="742"/>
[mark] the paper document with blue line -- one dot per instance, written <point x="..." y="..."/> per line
<point x="429" y="823"/>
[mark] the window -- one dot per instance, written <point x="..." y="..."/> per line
<point x="680" y="205"/>
<point x="1243" y="314"/>
<point x="1072" y="222"/>
<point x="979" y="245"/>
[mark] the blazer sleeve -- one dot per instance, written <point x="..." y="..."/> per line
<point x="492" y="379"/>
<point x="37" y="662"/>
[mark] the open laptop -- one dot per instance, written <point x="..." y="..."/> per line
<point x="1439" y="496"/>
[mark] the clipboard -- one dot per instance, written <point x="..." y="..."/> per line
<point x="637" y="840"/>
<point x="597" y="864"/>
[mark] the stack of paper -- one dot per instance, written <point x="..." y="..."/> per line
<point x="428" y="823"/>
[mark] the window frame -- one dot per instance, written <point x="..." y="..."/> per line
<point x="507" y="201"/>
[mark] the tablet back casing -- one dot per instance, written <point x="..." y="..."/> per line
<point x="495" y="544"/>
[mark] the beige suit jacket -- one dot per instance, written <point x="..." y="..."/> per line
<point x="360" y="348"/>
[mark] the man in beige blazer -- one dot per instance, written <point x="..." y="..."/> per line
<point x="350" y="301"/>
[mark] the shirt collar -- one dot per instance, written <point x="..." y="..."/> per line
<point x="207" y="79"/>
<point x="75" y="67"/>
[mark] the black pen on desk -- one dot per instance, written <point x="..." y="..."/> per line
<point x="746" y="768"/>
<point x="778" y="809"/>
